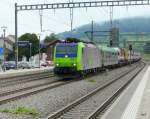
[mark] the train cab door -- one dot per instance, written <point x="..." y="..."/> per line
<point x="102" y="58"/>
<point x="83" y="58"/>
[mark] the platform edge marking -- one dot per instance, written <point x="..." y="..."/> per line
<point x="133" y="106"/>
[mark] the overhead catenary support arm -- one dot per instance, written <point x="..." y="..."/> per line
<point x="71" y="5"/>
<point x="82" y="4"/>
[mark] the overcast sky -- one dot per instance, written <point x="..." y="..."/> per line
<point x="58" y="20"/>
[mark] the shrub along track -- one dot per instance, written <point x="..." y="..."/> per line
<point x="95" y="102"/>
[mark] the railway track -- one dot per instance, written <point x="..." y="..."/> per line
<point x="11" y="95"/>
<point x="26" y="75"/>
<point x="92" y="104"/>
<point x="24" y="79"/>
<point x="22" y="92"/>
<point x="8" y="95"/>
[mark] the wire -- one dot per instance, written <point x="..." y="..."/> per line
<point x="55" y="20"/>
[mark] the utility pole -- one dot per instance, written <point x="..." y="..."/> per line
<point x="92" y="31"/>
<point x="30" y="49"/>
<point x="130" y="49"/>
<point x="4" y="45"/>
<point x="124" y="43"/>
<point x="111" y="26"/>
<point x="39" y="36"/>
<point x="71" y="15"/>
<point x="111" y="16"/>
<point x="90" y="4"/>
<point x="16" y="35"/>
<point x="41" y="20"/>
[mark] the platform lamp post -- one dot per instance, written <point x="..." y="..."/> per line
<point x="4" y="45"/>
<point x="39" y="37"/>
<point x="30" y="49"/>
<point x="130" y="49"/>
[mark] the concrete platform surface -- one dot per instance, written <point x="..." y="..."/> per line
<point x="144" y="111"/>
<point x="11" y="73"/>
<point x="134" y="102"/>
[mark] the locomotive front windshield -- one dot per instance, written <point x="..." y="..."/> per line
<point x="70" y="50"/>
<point x="66" y="49"/>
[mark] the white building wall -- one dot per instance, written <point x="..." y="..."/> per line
<point x="1" y="43"/>
<point x="11" y="38"/>
<point x="7" y="45"/>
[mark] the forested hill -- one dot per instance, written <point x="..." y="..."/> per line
<point x="137" y="24"/>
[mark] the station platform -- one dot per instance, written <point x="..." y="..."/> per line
<point x="134" y="102"/>
<point x="20" y="72"/>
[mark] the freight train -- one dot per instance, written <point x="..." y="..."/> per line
<point x="82" y="58"/>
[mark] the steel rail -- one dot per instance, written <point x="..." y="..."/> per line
<point x="25" y="80"/>
<point x="103" y="106"/>
<point x="19" y="93"/>
<point x="31" y="90"/>
<point x="8" y="92"/>
<point x="26" y="75"/>
<point x="60" y="112"/>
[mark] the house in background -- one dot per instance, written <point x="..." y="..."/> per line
<point x="50" y="49"/>
<point x="9" y="44"/>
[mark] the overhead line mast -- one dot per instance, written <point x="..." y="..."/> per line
<point x="111" y="17"/>
<point x="71" y="5"/>
<point x="71" y="15"/>
<point x="41" y="19"/>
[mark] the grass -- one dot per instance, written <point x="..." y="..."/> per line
<point x="20" y="110"/>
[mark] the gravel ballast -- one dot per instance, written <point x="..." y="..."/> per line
<point x="49" y="101"/>
<point x="85" y="108"/>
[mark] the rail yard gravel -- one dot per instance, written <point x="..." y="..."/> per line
<point x="85" y="108"/>
<point x="27" y="84"/>
<point x="49" y="101"/>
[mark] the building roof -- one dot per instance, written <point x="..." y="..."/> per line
<point x="52" y="43"/>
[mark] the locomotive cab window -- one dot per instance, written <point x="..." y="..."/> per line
<point x="66" y="49"/>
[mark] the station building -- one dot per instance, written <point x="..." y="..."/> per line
<point x="50" y="49"/>
<point x="9" y="44"/>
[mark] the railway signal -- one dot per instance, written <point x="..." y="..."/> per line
<point x="130" y="47"/>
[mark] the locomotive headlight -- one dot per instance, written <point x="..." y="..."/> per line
<point x="57" y="64"/>
<point x="66" y="56"/>
<point x="74" y="64"/>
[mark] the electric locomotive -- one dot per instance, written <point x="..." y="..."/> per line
<point x="65" y="58"/>
<point x="82" y="58"/>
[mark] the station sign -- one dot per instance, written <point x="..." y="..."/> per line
<point x="23" y="43"/>
<point x="42" y="46"/>
<point x="1" y="53"/>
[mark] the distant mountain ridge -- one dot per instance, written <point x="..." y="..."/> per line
<point x="137" y="24"/>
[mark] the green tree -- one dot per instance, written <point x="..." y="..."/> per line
<point x="50" y="38"/>
<point x="25" y="51"/>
